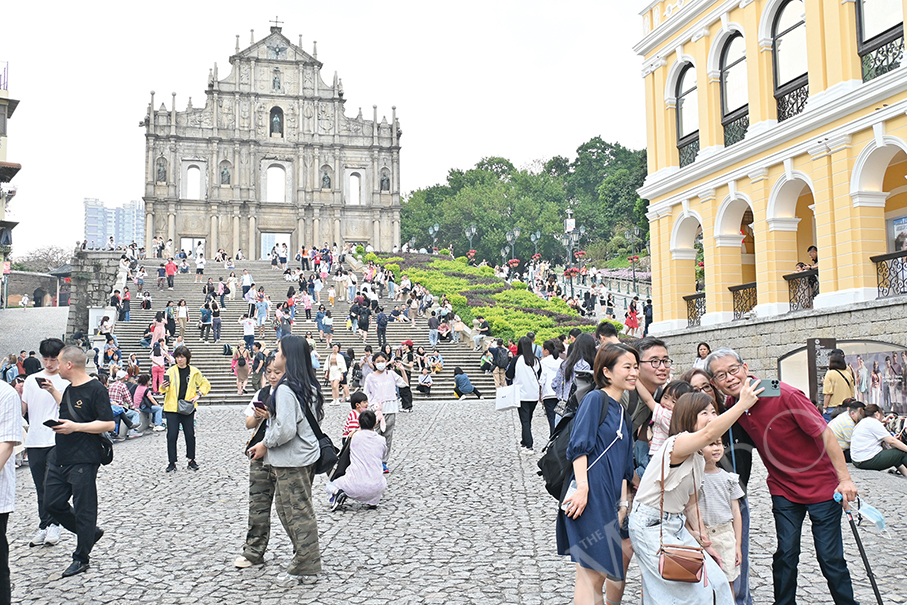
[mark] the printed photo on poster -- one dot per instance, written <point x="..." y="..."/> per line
<point x="880" y="379"/>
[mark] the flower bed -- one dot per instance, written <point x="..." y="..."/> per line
<point x="473" y="291"/>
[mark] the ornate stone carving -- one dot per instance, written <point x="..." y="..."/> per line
<point x="309" y="114"/>
<point x="225" y="175"/>
<point x="244" y="115"/>
<point x="227" y="119"/>
<point x="275" y="81"/>
<point x="309" y="81"/>
<point x="161" y="170"/>
<point x="244" y="74"/>
<point x="325" y="117"/>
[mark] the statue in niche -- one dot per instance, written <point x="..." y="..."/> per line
<point x="307" y="82"/>
<point x="225" y="176"/>
<point x="325" y="180"/>
<point x="275" y="124"/>
<point x="161" y="170"/>
<point x="385" y="182"/>
<point x="276" y="81"/>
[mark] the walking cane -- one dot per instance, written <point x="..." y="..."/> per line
<point x="856" y="535"/>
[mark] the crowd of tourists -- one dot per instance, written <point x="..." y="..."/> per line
<point x="658" y="462"/>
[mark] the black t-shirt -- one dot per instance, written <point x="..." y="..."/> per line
<point x="31" y="365"/>
<point x="91" y="402"/>
<point x="184" y="381"/>
<point x="484" y="328"/>
<point x="258" y="362"/>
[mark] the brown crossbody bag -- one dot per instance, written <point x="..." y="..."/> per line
<point x="677" y="562"/>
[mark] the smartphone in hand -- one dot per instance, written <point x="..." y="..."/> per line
<point x="772" y="388"/>
<point x="41" y="381"/>
<point x="51" y="423"/>
<point x="259" y="404"/>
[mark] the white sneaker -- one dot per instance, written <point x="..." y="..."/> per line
<point x="53" y="535"/>
<point x="242" y="562"/>
<point x="288" y="579"/>
<point x="40" y="537"/>
<point x="158" y="429"/>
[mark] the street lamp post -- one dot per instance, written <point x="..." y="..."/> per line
<point x="570" y="239"/>
<point x="470" y="233"/>
<point x="632" y="238"/>
<point x="535" y="237"/>
<point x="433" y="232"/>
<point x="412" y="242"/>
<point x="511" y="240"/>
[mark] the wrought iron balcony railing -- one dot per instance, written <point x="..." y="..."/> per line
<point x="793" y="102"/>
<point x="688" y="152"/>
<point x="695" y="309"/>
<point x="883" y="59"/>
<point x="735" y="130"/>
<point x="803" y="287"/>
<point x="744" y="299"/>
<point x="891" y="273"/>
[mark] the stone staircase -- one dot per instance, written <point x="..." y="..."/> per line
<point x="216" y="367"/>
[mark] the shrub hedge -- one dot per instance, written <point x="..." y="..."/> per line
<point x="511" y="310"/>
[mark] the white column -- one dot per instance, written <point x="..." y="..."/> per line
<point x="149" y="230"/>
<point x="252" y="237"/>
<point x="212" y="237"/>
<point x="235" y="242"/>
<point x="376" y="235"/>
<point x="171" y="229"/>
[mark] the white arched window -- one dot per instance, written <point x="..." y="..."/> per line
<point x="687" y="115"/>
<point x="734" y="98"/>
<point x="277" y="184"/>
<point x="354" y="195"/>
<point x="789" y="45"/>
<point x="193" y="183"/>
<point x="880" y="36"/>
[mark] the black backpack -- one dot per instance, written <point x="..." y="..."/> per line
<point x="501" y="359"/>
<point x="554" y="467"/>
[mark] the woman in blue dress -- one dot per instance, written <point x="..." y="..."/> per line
<point x="319" y="322"/>
<point x="590" y="523"/>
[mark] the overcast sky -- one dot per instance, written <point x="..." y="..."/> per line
<point x="523" y="79"/>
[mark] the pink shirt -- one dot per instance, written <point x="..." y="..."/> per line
<point x="661" y="419"/>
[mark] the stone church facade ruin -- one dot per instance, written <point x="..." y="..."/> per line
<point x="271" y="155"/>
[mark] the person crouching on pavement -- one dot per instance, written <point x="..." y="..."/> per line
<point x="364" y="480"/>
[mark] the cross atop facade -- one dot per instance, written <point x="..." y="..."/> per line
<point x="276" y="23"/>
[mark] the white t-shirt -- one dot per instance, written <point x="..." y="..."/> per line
<point x="200" y="263"/>
<point x="526" y="379"/>
<point x="41" y="407"/>
<point x="248" y="327"/>
<point x="10" y="430"/>
<point x="867" y="438"/>
<point x="246" y="279"/>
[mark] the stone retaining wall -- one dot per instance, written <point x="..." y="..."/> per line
<point x="29" y="282"/>
<point x="95" y="274"/>
<point x="762" y="341"/>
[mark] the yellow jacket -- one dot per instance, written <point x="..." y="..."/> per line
<point x="197" y="383"/>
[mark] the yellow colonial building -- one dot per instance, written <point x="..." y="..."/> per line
<point x="774" y="126"/>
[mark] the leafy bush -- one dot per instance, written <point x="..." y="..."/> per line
<point x="486" y="271"/>
<point x="392" y="259"/>
<point x="462" y="259"/>
<point x="360" y="250"/>
<point x="517" y="285"/>
<point x="444" y="252"/>
<point x="371" y="256"/>
<point x="394" y="268"/>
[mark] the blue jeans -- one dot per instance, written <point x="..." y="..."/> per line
<point x="350" y="292"/>
<point x="641" y="456"/>
<point x="742" y="594"/>
<point x="826" y="526"/>
<point x="432" y="338"/>
<point x="250" y="340"/>
<point x="391" y="286"/>
<point x="157" y="414"/>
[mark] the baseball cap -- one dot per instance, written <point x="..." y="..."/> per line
<point x="121" y="375"/>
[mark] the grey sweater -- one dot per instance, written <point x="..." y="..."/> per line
<point x="289" y="438"/>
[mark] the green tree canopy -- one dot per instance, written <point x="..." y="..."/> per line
<point x="599" y="184"/>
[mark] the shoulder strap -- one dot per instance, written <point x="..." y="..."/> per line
<point x="844" y="377"/>
<point x="664" y="461"/>
<point x="310" y="417"/>
<point x="72" y="410"/>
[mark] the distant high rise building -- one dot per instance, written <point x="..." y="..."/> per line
<point x="124" y="223"/>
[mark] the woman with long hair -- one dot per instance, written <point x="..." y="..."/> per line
<point x="381" y="389"/>
<point x="291" y="449"/>
<point x="598" y="506"/>
<point x="335" y="368"/>
<point x="695" y="424"/>
<point x="525" y="371"/>
<point x="232" y="285"/>
<point x="876" y="379"/>
<point x="580" y="358"/>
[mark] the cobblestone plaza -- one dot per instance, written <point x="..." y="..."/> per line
<point x="465" y="519"/>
